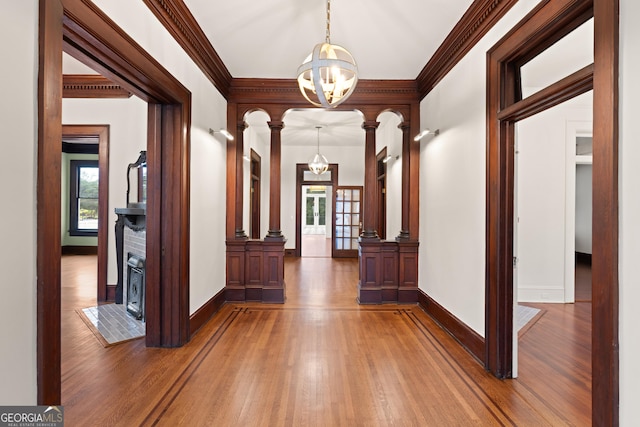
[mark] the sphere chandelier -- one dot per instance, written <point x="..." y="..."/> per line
<point x="318" y="164"/>
<point x="329" y="74"/>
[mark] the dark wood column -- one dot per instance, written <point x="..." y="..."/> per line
<point x="239" y="158"/>
<point x="370" y="212"/>
<point x="275" y="184"/>
<point x="406" y="180"/>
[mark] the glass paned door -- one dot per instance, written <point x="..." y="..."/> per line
<point x="348" y="225"/>
<point x="315" y="204"/>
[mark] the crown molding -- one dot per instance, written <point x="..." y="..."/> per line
<point x="178" y="20"/>
<point x="279" y="91"/>
<point x="481" y="16"/>
<point x="181" y="24"/>
<point x="91" y="86"/>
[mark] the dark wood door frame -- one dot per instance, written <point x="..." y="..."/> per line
<point x="300" y="168"/>
<point x="545" y="25"/>
<point x="81" y="29"/>
<point x="101" y="133"/>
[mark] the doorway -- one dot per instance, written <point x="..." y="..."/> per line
<point x="98" y="136"/>
<point x="317" y="213"/>
<point x="315" y="207"/>
<point x="505" y="107"/>
<point x="101" y="46"/>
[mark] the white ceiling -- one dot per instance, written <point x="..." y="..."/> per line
<point x="271" y="38"/>
<point x="389" y="40"/>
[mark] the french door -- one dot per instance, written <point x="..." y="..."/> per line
<point x="348" y="224"/>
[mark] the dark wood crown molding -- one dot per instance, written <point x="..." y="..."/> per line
<point x="286" y="91"/>
<point x="481" y="16"/>
<point x="91" y="86"/>
<point x="178" y="20"/>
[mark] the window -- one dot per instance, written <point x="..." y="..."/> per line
<point x="83" y="197"/>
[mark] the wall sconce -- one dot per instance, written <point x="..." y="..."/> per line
<point x="222" y="132"/>
<point x="426" y="132"/>
<point x="389" y="157"/>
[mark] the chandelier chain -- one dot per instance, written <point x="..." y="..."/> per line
<point x="328" y="36"/>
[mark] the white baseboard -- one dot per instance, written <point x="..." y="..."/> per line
<point x="555" y="295"/>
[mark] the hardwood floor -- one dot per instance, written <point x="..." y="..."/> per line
<point x="319" y="360"/>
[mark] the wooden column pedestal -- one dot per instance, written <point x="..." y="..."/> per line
<point x="388" y="272"/>
<point x="255" y="271"/>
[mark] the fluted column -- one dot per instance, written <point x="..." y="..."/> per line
<point x="240" y="234"/>
<point x="406" y="180"/>
<point x="275" y="185"/>
<point x="370" y="214"/>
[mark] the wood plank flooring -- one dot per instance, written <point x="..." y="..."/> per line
<point x="319" y="360"/>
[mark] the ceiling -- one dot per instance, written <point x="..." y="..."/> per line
<point x="389" y="40"/>
<point x="271" y="38"/>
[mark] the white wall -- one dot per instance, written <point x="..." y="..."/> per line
<point x="127" y="120"/>
<point x="350" y="161"/>
<point x="388" y="135"/>
<point x="629" y="213"/>
<point x="543" y="163"/>
<point x="584" y="208"/>
<point x="208" y="153"/>
<point x="452" y="182"/>
<point x="18" y="121"/>
<point x="257" y="137"/>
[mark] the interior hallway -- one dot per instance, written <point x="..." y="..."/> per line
<point x="319" y="359"/>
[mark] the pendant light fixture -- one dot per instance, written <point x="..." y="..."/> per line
<point x="329" y="75"/>
<point x="318" y="164"/>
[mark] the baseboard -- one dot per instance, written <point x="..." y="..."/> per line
<point x="79" y="250"/>
<point x="206" y="312"/>
<point x="583" y="258"/>
<point x="467" y="337"/>
<point x="111" y="293"/>
<point x="549" y="294"/>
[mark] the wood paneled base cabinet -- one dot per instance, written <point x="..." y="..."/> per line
<point x="388" y="272"/>
<point x="255" y="271"/>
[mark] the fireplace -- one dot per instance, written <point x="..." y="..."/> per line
<point x="135" y="285"/>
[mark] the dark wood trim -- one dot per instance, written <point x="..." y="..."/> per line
<point x="206" y="312"/>
<point x="48" y="237"/>
<point x="469" y="339"/>
<point x="286" y="93"/>
<point x="255" y="188"/>
<point x="94" y="39"/>
<point x="300" y="168"/>
<point x="571" y="86"/>
<point x="583" y="258"/>
<point x="370" y="195"/>
<point x="481" y="16"/>
<point x="79" y="148"/>
<point x="81" y="29"/>
<point x="542" y="24"/>
<point x="178" y="20"/>
<point x="111" y="293"/>
<point x="79" y="250"/>
<point x="275" y="181"/>
<point x="605" y="315"/>
<point x="91" y="86"/>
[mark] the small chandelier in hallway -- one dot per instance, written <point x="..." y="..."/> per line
<point x="318" y="164"/>
<point x="329" y="75"/>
